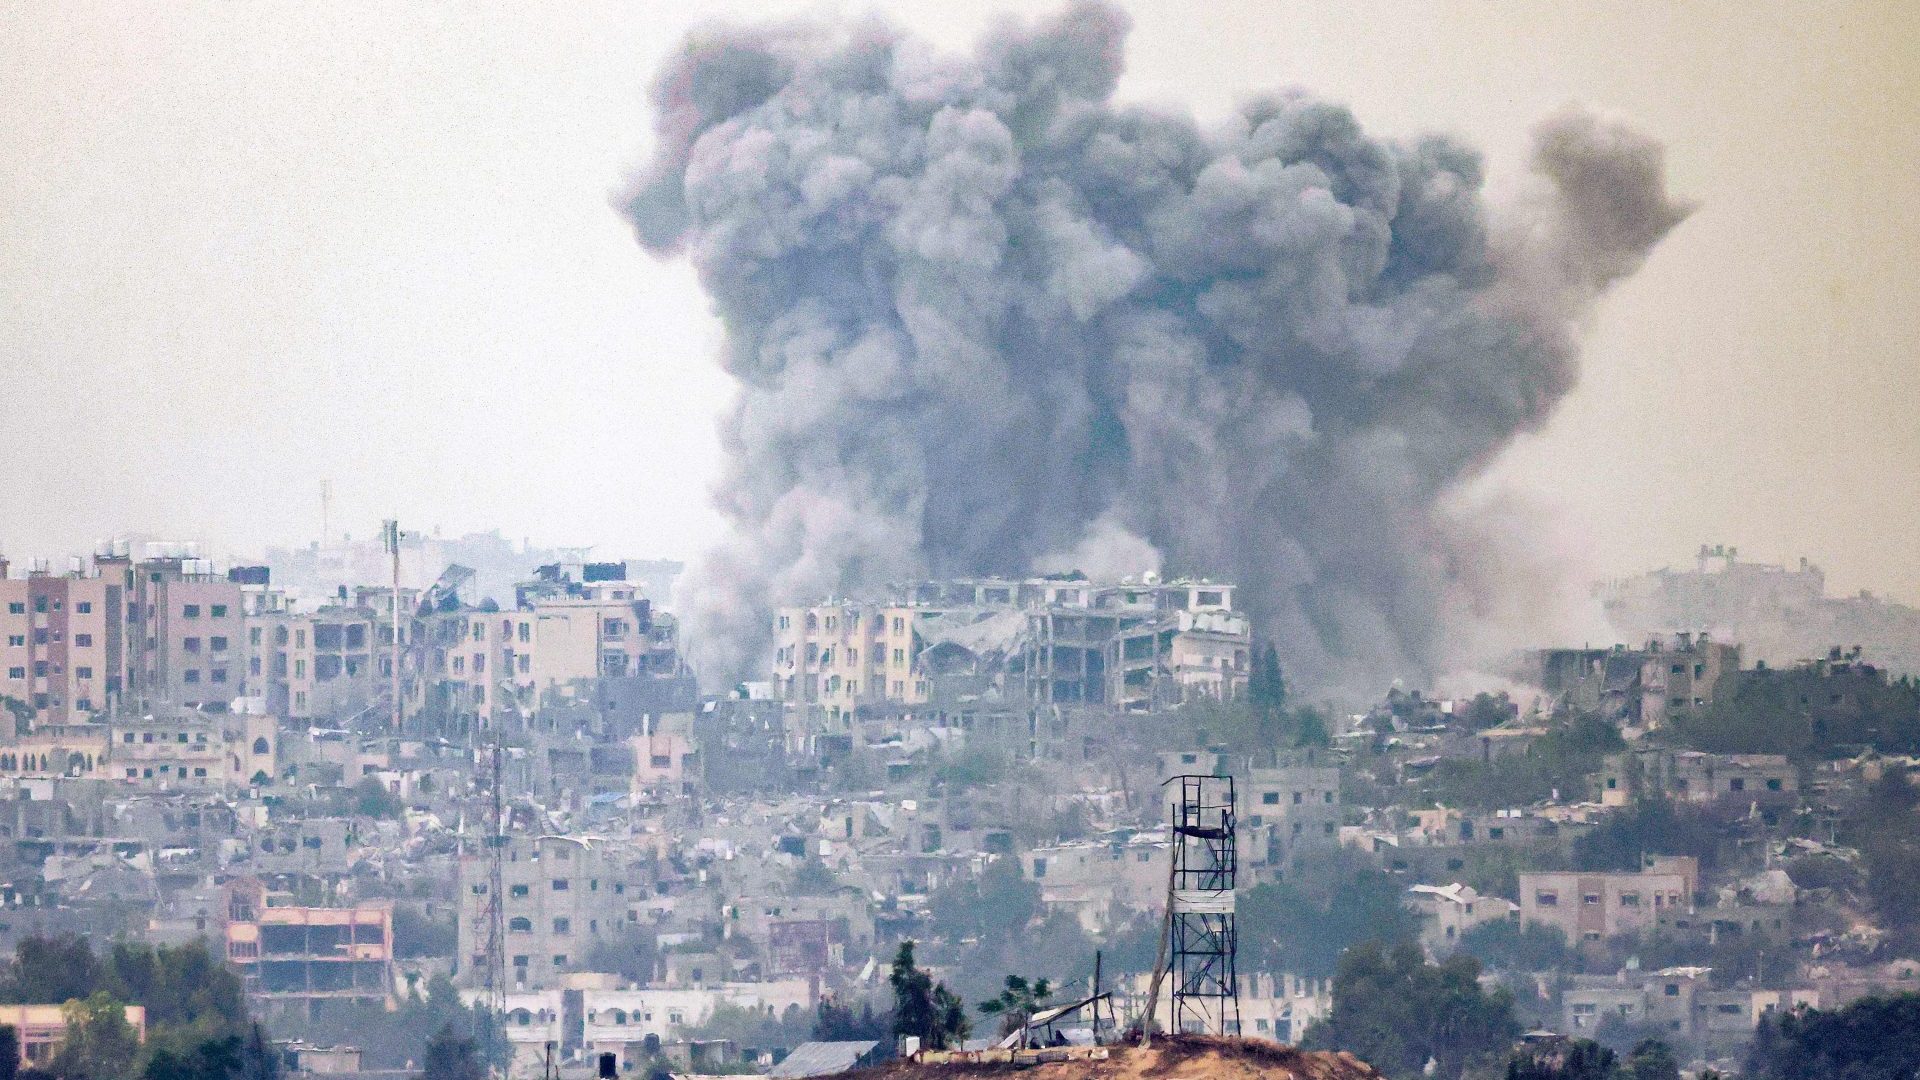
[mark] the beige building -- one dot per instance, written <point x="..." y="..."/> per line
<point x="1590" y="908"/>
<point x="320" y="665"/>
<point x="63" y="650"/>
<point x="563" y="896"/>
<point x="42" y="1028"/>
<point x="186" y="629"/>
<point x="1046" y="641"/>
<point x="1288" y="811"/>
<point x="1448" y="911"/>
<point x="183" y="748"/>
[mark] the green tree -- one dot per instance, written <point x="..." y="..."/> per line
<point x="1513" y="946"/>
<point x="1397" y="1012"/>
<point x="99" y="1043"/>
<point x="51" y="970"/>
<point x="1882" y="825"/>
<point x="840" y="1023"/>
<point x="923" y="1008"/>
<point x="1875" y="1038"/>
<point x="1575" y="1059"/>
<point x="1304" y="922"/>
<point x="415" y="934"/>
<point x="9" y="1052"/>
<point x="996" y="905"/>
<point x="1017" y="1003"/>
<point x="450" y="1056"/>
<point x="1648" y="827"/>
<point x="1651" y="1060"/>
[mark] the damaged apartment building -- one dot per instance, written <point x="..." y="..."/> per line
<point x="1131" y="645"/>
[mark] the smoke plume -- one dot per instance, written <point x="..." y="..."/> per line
<point x="984" y="320"/>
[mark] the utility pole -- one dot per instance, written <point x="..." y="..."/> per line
<point x="390" y="532"/>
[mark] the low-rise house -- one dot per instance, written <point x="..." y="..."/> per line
<point x="1448" y="911"/>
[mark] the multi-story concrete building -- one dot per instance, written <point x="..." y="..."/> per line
<point x="185" y="748"/>
<point x="1101" y="883"/>
<point x="1589" y="908"/>
<point x="1670" y="676"/>
<point x="63" y="649"/>
<point x="563" y="896"/>
<point x="1035" y="641"/>
<point x="1769" y="780"/>
<point x="319" y="665"/>
<point x="1288" y="811"/>
<point x="186" y="628"/>
<point x="298" y="959"/>
<point x="562" y="633"/>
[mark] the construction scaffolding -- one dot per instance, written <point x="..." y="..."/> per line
<point x="1200" y="910"/>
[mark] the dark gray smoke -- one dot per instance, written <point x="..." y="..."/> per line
<point x="987" y="321"/>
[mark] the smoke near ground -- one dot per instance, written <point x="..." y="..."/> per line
<point x="985" y="320"/>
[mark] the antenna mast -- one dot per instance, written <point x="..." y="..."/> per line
<point x="390" y="533"/>
<point x="496" y="980"/>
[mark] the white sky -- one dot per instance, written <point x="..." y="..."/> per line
<point x="245" y="248"/>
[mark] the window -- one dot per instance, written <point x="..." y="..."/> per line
<point x="16" y="673"/>
<point x="83" y="641"/>
<point x="219" y="611"/>
<point x="1591" y="899"/>
<point x="1546" y="899"/>
<point x="218" y="644"/>
<point x="83" y="673"/>
<point x="1270" y="798"/>
<point x="559" y="884"/>
<point x="16" y="608"/>
<point x="520" y="924"/>
<point x="191" y="644"/>
<point x="1773" y="784"/>
<point x="1738" y="783"/>
<point x="1297" y="797"/>
<point x="84" y="607"/>
<point x="219" y="675"/>
<point x="518" y="890"/>
<point x="193" y="675"/>
<point x="1630" y="899"/>
<point x="190" y="611"/>
<point x="18" y="641"/>
<point x="1672" y="990"/>
<point x="563" y="926"/>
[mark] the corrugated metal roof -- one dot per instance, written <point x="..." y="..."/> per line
<point x="823" y="1058"/>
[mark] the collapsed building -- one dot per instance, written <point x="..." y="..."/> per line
<point x="1132" y="645"/>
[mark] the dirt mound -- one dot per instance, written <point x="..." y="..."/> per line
<point x="1179" y="1057"/>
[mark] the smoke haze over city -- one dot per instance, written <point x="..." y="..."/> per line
<point x="987" y="321"/>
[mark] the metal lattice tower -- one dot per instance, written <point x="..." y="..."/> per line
<point x="494" y="979"/>
<point x="1200" y="924"/>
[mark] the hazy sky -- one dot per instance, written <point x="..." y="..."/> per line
<point x="246" y="248"/>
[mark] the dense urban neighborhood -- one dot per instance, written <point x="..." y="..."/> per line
<point x="510" y="826"/>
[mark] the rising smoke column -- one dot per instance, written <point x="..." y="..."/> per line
<point x="984" y="320"/>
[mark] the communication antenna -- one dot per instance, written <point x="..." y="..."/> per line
<point x="494" y="979"/>
<point x="390" y="535"/>
<point x="1200" y="915"/>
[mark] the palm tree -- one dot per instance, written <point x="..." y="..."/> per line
<point x="1017" y="1003"/>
